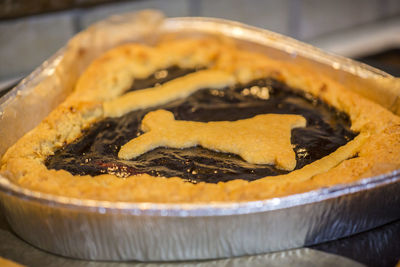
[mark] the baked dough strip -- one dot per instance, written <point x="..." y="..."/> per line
<point x="262" y="139"/>
<point x="175" y="89"/>
<point x="326" y="163"/>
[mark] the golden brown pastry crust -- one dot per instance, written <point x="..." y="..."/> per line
<point x="377" y="145"/>
<point x="8" y="263"/>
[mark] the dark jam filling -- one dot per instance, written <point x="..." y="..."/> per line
<point x="160" y="77"/>
<point x="96" y="151"/>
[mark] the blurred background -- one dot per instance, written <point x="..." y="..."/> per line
<point x="369" y="30"/>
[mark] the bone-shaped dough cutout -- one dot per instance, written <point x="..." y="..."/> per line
<point x="263" y="139"/>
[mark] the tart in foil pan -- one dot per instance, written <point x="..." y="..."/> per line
<point x="103" y="230"/>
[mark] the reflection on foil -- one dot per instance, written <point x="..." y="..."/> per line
<point x="13" y="248"/>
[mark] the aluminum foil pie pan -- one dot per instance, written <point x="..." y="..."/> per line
<point x="101" y="230"/>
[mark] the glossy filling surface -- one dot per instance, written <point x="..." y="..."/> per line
<point x="96" y="151"/>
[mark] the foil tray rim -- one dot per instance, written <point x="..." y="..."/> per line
<point x="288" y="44"/>
<point x="236" y="30"/>
<point x="31" y="78"/>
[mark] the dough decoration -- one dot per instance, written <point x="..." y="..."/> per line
<point x="263" y="139"/>
<point x="175" y="89"/>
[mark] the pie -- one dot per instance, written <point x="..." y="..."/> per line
<point x="202" y="120"/>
